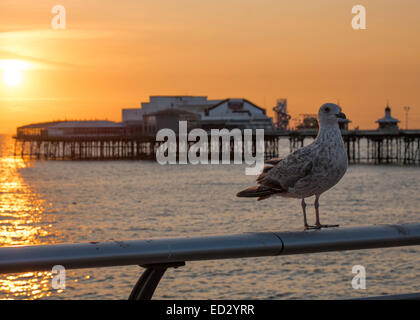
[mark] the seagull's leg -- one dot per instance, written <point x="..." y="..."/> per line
<point x="316" y="204"/>
<point x="305" y="222"/>
<point x="318" y="224"/>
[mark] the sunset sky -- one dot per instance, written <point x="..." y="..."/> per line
<point x="114" y="54"/>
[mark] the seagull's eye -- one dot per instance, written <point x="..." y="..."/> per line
<point x="327" y="109"/>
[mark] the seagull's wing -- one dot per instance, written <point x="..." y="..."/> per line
<point x="288" y="171"/>
<point x="281" y="174"/>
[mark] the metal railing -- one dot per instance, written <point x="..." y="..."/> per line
<point x="158" y="255"/>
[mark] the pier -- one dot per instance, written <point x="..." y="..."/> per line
<point x="363" y="146"/>
<point x="85" y="148"/>
<point x="372" y="146"/>
<point x="158" y="255"/>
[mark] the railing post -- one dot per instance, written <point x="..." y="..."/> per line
<point x="149" y="280"/>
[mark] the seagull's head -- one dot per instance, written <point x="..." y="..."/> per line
<point x="329" y="114"/>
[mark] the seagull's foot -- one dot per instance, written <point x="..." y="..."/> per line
<point x="308" y="227"/>
<point x="320" y="226"/>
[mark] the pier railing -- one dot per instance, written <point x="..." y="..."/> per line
<point x="157" y="255"/>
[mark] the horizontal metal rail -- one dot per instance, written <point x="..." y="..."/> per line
<point x="167" y="251"/>
<point x="160" y="254"/>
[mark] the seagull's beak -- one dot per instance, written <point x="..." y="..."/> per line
<point x="341" y="115"/>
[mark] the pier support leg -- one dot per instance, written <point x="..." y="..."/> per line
<point x="149" y="280"/>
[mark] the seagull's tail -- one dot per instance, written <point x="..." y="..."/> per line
<point x="260" y="192"/>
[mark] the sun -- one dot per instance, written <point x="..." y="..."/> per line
<point x="12" y="77"/>
<point x="12" y="72"/>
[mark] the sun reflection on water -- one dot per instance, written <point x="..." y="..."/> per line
<point x="22" y="222"/>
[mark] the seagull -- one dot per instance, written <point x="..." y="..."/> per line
<point x="309" y="171"/>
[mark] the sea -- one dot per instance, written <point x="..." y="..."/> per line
<point x="51" y="202"/>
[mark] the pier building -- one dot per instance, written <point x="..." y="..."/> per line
<point x="72" y="129"/>
<point x="204" y="113"/>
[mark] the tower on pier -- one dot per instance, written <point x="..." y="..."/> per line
<point x="282" y="117"/>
